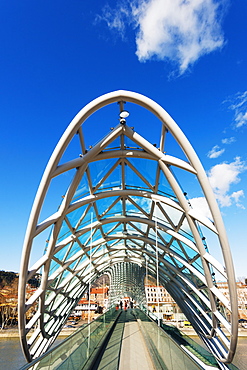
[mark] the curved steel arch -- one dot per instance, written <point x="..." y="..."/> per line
<point x="102" y="223"/>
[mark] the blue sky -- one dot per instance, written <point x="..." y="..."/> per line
<point x="56" y="56"/>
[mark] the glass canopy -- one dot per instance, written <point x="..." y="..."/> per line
<point x="124" y="200"/>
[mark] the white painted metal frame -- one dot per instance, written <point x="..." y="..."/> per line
<point x="74" y="258"/>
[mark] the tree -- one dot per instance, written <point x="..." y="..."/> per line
<point x="8" y="300"/>
<point x="6" y="278"/>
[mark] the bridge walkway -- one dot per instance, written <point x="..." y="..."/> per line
<point x="126" y="348"/>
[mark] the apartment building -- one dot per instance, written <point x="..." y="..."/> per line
<point x="162" y="304"/>
<point x="242" y="296"/>
<point x="171" y="311"/>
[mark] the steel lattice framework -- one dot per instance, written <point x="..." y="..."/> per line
<point x="123" y="204"/>
<point x="127" y="280"/>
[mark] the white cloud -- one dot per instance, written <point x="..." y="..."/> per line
<point x="180" y="31"/>
<point x="201" y="206"/>
<point x="241" y="119"/>
<point x="228" y="140"/>
<point x="215" y="152"/>
<point x="239" y="106"/>
<point x="116" y="19"/>
<point x="236" y="195"/>
<point x="222" y="176"/>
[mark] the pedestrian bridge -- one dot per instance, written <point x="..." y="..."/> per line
<point x="127" y="339"/>
<point x="118" y="197"/>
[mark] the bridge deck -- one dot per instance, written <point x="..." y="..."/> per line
<point x="127" y="340"/>
<point x="126" y="348"/>
<point x="134" y="352"/>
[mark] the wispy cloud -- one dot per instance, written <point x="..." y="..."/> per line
<point x="215" y="152"/>
<point x="180" y="31"/>
<point x="222" y="177"/>
<point x="236" y="195"/>
<point x="116" y="18"/>
<point x="228" y="140"/>
<point x="238" y="104"/>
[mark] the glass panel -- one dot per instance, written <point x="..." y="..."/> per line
<point x="183" y="250"/>
<point x="61" y="254"/>
<point x="53" y="267"/>
<point x="75" y="350"/>
<point x="103" y="204"/>
<point x="131" y="144"/>
<point x="198" y="265"/>
<point x="83" y="238"/>
<point x="152" y="235"/>
<point x="116" y="144"/>
<point x="95" y="237"/>
<point x="64" y="232"/>
<point x="76" y="215"/>
<point x="185" y="230"/>
<point x="82" y="189"/>
<point x="166" y="346"/>
<point x="139" y="225"/>
<point x="174" y="214"/>
<point x="133" y="181"/>
<point x="117" y="209"/>
<point x="144" y="203"/>
<point x="76" y="248"/>
<point x="86" y="220"/>
<point x="165" y="236"/>
<point x="171" y="261"/>
<point x="146" y="167"/>
<point x="99" y="169"/>
<point x="63" y="276"/>
<point x="165" y="188"/>
<point x="108" y="227"/>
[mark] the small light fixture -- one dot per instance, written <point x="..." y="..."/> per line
<point x="124" y="114"/>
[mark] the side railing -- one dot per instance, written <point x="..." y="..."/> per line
<point x="178" y="339"/>
<point x="75" y="351"/>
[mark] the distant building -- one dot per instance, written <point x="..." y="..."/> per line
<point x="98" y="301"/>
<point x="84" y="306"/>
<point x="100" y="295"/>
<point x="169" y="310"/>
<point x="162" y="304"/>
<point x="241" y="294"/>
